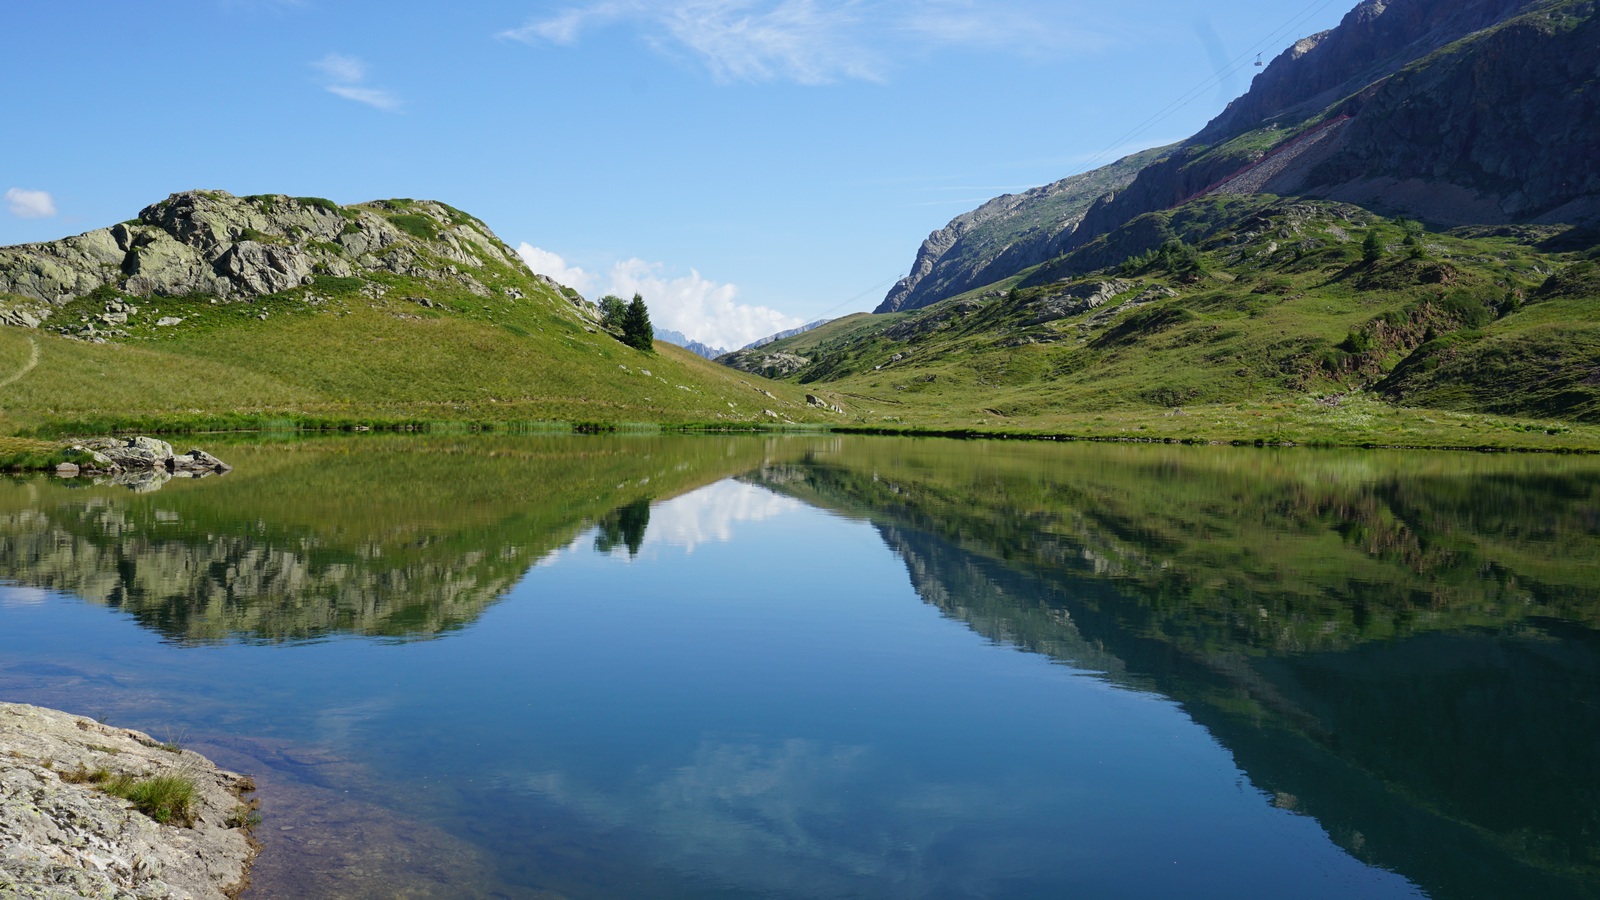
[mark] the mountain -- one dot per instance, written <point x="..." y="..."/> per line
<point x="693" y="346"/>
<point x="1400" y="219"/>
<point x="785" y="334"/>
<point x="210" y="310"/>
<point x="1453" y="112"/>
<point x="1244" y="316"/>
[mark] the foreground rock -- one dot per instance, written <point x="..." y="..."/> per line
<point x="61" y="836"/>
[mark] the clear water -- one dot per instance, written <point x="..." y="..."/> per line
<point x="825" y="667"/>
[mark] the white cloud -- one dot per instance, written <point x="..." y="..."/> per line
<point x="342" y="69"/>
<point x="370" y="96"/>
<point x="346" y="77"/>
<point x="702" y="309"/>
<point x="565" y="27"/>
<point x="810" y="41"/>
<point x="27" y="204"/>
<point x="543" y="262"/>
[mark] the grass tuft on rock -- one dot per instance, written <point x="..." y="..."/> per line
<point x="167" y="799"/>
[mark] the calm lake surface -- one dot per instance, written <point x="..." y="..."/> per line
<point x="802" y="667"/>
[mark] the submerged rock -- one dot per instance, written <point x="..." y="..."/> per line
<point x="62" y="836"/>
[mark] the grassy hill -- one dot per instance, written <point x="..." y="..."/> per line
<point x="1253" y="317"/>
<point x="409" y="312"/>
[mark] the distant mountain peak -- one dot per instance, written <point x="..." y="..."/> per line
<point x="698" y="348"/>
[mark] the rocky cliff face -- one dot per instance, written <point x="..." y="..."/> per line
<point x="1451" y="111"/>
<point x="1005" y="235"/>
<point x="236" y="248"/>
<point x="1374" y="40"/>
<point x="1501" y="128"/>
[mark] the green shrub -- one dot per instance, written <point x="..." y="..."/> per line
<point x="335" y="285"/>
<point x="320" y="203"/>
<point x="416" y="226"/>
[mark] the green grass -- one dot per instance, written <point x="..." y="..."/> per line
<point x="1233" y="319"/>
<point x="168" y="799"/>
<point x="1249" y="319"/>
<point x="329" y="356"/>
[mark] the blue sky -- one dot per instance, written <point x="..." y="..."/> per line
<point x="746" y="164"/>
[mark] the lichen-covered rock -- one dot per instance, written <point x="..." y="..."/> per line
<point x="145" y="463"/>
<point x="236" y="248"/>
<point x="1074" y="300"/>
<point x="62" y="837"/>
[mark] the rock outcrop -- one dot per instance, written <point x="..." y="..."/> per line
<point x="140" y="463"/>
<point x="141" y="453"/>
<point x="237" y="248"/>
<point x="767" y="365"/>
<point x="61" y="836"/>
<point x="1006" y="235"/>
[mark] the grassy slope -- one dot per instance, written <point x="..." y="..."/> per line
<point x="331" y="352"/>
<point x="1276" y="334"/>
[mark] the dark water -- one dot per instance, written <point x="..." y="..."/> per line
<point x="825" y="667"/>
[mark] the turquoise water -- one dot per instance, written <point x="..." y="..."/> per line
<point x="838" y="668"/>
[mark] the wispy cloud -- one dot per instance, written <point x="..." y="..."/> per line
<point x="810" y="42"/>
<point x="26" y="204"/>
<point x="346" y="76"/>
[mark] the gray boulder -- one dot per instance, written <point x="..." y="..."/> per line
<point x="134" y="452"/>
<point x="198" y="460"/>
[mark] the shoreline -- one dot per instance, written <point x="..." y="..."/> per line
<point x="67" y="828"/>
<point x="34" y="454"/>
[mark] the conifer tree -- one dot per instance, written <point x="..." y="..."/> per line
<point x="636" y="329"/>
<point x="1372" y="248"/>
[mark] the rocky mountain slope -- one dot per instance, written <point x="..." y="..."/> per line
<point x="1007" y="234"/>
<point x="1233" y="300"/>
<point x="1449" y="111"/>
<point x="231" y="248"/>
<point x="211" y="310"/>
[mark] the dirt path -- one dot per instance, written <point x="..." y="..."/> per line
<point x="33" y="360"/>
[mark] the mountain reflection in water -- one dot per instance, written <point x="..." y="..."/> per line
<point x="1402" y="647"/>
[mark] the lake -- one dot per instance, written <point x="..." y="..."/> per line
<point x="820" y="666"/>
